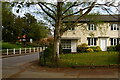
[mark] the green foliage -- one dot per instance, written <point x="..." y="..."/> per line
<point x="96" y="48"/>
<point x="117" y="47"/>
<point x="93" y="47"/>
<point x="111" y="48"/>
<point x="47" y="57"/>
<point x="48" y="52"/>
<point x="34" y="44"/>
<point x="6" y="45"/>
<point x="82" y="47"/>
<point x="89" y="50"/>
<point x="18" y="26"/>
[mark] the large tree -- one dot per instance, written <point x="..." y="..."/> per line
<point x="13" y="26"/>
<point x="57" y="12"/>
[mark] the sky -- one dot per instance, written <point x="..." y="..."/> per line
<point x="34" y="8"/>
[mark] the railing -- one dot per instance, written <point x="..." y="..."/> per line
<point x="22" y="50"/>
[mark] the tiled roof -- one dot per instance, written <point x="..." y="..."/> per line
<point x="105" y="18"/>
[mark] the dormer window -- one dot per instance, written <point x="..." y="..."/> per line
<point x="114" y="27"/>
<point x="91" y="27"/>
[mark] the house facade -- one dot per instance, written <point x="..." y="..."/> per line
<point x="104" y="33"/>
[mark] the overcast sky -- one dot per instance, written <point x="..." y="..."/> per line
<point x="34" y="8"/>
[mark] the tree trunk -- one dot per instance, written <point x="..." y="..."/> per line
<point x="57" y="30"/>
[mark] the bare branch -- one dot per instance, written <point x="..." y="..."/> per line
<point x="108" y="4"/>
<point x="81" y="16"/>
<point x="50" y="4"/>
<point x="74" y="4"/>
<point x="47" y="7"/>
<point x="47" y="12"/>
<point x="75" y="13"/>
<point x="109" y="12"/>
<point x="69" y="8"/>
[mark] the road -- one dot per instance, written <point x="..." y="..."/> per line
<point x="22" y="67"/>
<point x="12" y="65"/>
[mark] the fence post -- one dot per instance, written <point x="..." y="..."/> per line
<point x="14" y="51"/>
<point x="30" y="50"/>
<point x="7" y="51"/>
<point x="20" y="51"/>
<point x="37" y="49"/>
<point x="40" y="49"/>
<point x="34" y="49"/>
<point x="25" y="50"/>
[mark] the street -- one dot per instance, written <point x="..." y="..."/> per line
<point x="12" y="65"/>
<point x="27" y="67"/>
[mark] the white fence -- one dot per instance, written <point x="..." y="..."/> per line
<point x="21" y="50"/>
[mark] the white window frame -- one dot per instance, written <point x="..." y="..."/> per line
<point x="92" y="27"/>
<point x="115" y="27"/>
<point x="92" y="40"/>
<point x="115" y="42"/>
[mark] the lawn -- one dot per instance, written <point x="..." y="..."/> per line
<point x="98" y="58"/>
<point x="6" y="45"/>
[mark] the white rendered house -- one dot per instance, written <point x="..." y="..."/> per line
<point x="103" y="34"/>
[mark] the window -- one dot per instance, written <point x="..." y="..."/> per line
<point x="114" y="27"/>
<point x="92" y="41"/>
<point x="114" y="41"/>
<point x="66" y="44"/>
<point x="92" y="27"/>
<point x="71" y="29"/>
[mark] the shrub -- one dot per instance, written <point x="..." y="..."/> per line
<point x="117" y="47"/>
<point x="46" y="57"/>
<point x="111" y="48"/>
<point x="82" y="47"/>
<point x="93" y="47"/>
<point x="98" y="49"/>
<point x="48" y="51"/>
<point x="89" y="50"/>
<point x="32" y="44"/>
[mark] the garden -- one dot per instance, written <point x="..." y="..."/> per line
<point x="85" y="56"/>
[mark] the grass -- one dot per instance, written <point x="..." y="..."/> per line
<point x="6" y="45"/>
<point x="99" y="58"/>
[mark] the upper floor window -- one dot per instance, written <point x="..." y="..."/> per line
<point x="70" y="29"/>
<point x="92" y="27"/>
<point x="114" y="41"/>
<point x="92" y="41"/>
<point x="114" y="27"/>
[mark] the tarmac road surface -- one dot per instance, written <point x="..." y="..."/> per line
<point x="12" y="65"/>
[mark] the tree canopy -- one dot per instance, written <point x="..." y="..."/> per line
<point x="13" y="26"/>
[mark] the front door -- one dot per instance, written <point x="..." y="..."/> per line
<point x="103" y="44"/>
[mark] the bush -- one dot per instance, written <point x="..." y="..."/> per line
<point x="7" y="45"/>
<point x="111" y="48"/>
<point x="82" y="47"/>
<point x="117" y="47"/>
<point x="93" y="47"/>
<point x="89" y="50"/>
<point x="96" y="49"/>
<point x="48" y="51"/>
<point x="32" y="44"/>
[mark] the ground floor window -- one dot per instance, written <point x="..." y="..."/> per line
<point x="92" y="41"/>
<point x="66" y="44"/>
<point x="114" y="41"/>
